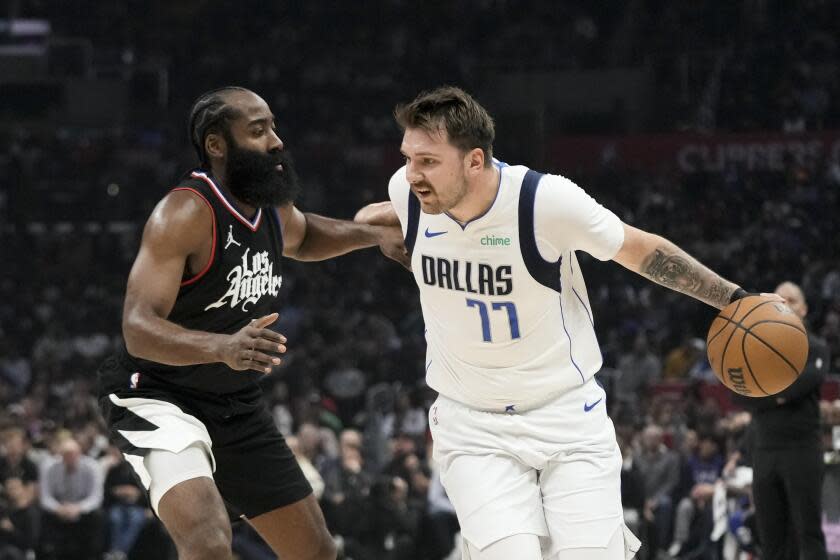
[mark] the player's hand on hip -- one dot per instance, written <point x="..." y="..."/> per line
<point x="393" y="246"/>
<point x="254" y="346"/>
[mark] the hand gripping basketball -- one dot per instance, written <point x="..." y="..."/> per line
<point x="757" y="346"/>
<point x="254" y="346"/>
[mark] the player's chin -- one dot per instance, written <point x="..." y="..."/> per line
<point x="431" y="207"/>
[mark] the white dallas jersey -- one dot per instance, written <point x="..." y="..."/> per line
<point x="508" y="320"/>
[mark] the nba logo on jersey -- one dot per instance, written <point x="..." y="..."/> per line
<point x="135" y="379"/>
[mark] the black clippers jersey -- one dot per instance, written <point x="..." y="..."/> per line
<point x="240" y="282"/>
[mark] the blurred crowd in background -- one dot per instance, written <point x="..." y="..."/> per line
<point x="350" y="395"/>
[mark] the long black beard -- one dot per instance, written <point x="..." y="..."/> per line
<point x="254" y="179"/>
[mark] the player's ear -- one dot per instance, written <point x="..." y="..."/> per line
<point x="474" y="161"/>
<point x="215" y="145"/>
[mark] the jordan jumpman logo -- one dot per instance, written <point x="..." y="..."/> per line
<point x="230" y="238"/>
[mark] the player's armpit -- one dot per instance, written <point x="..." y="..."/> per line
<point x="378" y="214"/>
<point x="661" y="261"/>
<point x="178" y="227"/>
<point x="293" y="223"/>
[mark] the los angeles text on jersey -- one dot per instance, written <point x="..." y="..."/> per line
<point x="249" y="283"/>
<point x="466" y="276"/>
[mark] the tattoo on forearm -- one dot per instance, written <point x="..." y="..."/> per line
<point x="719" y="292"/>
<point x="683" y="274"/>
<point x="672" y="271"/>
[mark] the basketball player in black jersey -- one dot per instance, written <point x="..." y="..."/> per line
<point x="182" y="399"/>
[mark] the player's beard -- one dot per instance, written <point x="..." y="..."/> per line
<point x="253" y="177"/>
<point x="454" y="198"/>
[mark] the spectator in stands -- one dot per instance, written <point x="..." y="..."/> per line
<point x="441" y="523"/>
<point x="125" y="506"/>
<point x="71" y="489"/>
<point x="688" y="361"/>
<point x="638" y="369"/>
<point x="309" y="441"/>
<point x="347" y="488"/>
<point x="659" y="467"/>
<point x="15" y="463"/>
<point x="15" y="370"/>
<point x="279" y="406"/>
<point x="19" y="522"/>
<point x="395" y="520"/>
<point x="693" y="521"/>
<point x="309" y="471"/>
<point x="407" y="417"/>
<point x="632" y="486"/>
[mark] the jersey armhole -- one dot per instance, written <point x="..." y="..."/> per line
<point x="279" y="228"/>
<point x="212" y="258"/>
<point x="545" y="272"/>
<point x="413" y="222"/>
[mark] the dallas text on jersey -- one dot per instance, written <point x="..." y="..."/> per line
<point x="465" y="276"/>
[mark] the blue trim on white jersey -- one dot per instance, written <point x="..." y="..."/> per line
<point x="571" y="356"/>
<point x="580" y="299"/>
<point x="413" y="222"/>
<point x="545" y="272"/>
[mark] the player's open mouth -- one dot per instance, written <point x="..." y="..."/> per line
<point x="422" y="192"/>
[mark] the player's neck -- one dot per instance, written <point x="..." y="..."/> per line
<point x="480" y="196"/>
<point x="245" y="209"/>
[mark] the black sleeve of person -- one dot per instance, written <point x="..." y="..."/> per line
<point x="814" y="373"/>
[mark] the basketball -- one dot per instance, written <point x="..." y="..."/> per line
<point x="757" y="346"/>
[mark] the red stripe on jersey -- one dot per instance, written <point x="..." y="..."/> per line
<point x="231" y="208"/>
<point x="204" y="270"/>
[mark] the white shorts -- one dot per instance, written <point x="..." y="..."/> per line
<point x="554" y="471"/>
<point x="180" y="433"/>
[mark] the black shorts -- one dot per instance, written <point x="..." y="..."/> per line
<point x="255" y="471"/>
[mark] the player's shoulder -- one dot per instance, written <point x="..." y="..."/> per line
<point x="399" y="191"/>
<point x="181" y="204"/>
<point x="518" y="172"/>
<point x="557" y="181"/>
<point x="398" y="180"/>
<point x="182" y="215"/>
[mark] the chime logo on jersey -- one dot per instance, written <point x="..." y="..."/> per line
<point x="250" y="281"/>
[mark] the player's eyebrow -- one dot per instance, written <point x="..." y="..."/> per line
<point x="421" y="154"/>
<point x="262" y="120"/>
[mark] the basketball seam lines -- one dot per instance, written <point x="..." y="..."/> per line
<point x="734" y="311"/>
<point x="726" y="346"/>
<point x="737" y="324"/>
<point x="778" y="323"/>
<point x="779" y="354"/>
<point x="747" y="361"/>
<point x="743" y="340"/>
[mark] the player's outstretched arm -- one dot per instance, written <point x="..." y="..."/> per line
<point x="310" y="237"/>
<point x="378" y="214"/>
<point x="660" y="260"/>
<point x="179" y="227"/>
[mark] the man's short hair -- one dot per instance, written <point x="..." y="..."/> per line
<point x="211" y="114"/>
<point x="467" y="124"/>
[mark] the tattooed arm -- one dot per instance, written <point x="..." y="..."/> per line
<point x="658" y="259"/>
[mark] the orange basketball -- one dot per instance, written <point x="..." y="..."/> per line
<point x="757" y="346"/>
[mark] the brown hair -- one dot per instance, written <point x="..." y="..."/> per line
<point x="466" y="122"/>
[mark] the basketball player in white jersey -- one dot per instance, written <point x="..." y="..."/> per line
<point x="527" y="452"/>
